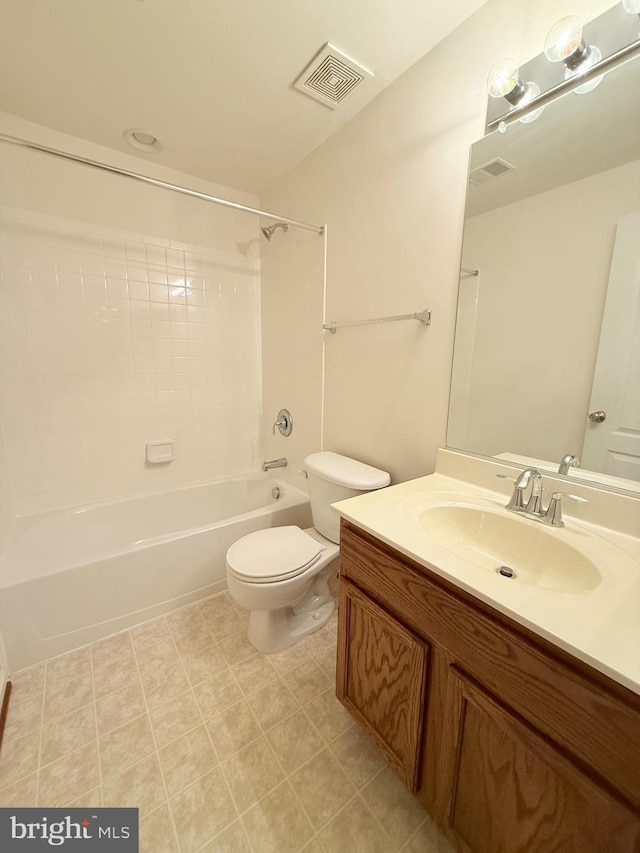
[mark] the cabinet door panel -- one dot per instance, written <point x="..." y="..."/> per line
<point x="381" y="679"/>
<point x="506" y="789"/>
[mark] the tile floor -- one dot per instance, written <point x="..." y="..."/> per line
<point x="223" y="749"/>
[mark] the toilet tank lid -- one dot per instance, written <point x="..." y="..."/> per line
<point x="345" y="471"/>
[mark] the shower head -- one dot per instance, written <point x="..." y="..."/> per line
<point x="268" y="232"/>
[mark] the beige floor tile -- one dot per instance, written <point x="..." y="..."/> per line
<point x="428" y="839"/>
<point x="139" y="787"/>
<point x="184" y="619"/>
<point x="322" y="788"/>
<point x="254" y="673"/>
<point x="294" y="741"/>
<point x="68" y="733"/>
<point x="289" y="658"/>
<point x="355" y="829"/>
<point x="236" y="648"/>
<point x="27" y="683"/>
<point x="156" y="833"/>
<point x="277" y="823"/>
<point x="68" y="666"/>
<point x="273" y="704"/>
<point x="174" y="718"/>
<point x="233" y="729"/>
<point x="326" y="660"/>
<point x="90" y="800"/>
<point x="20" y="795"/>
<point x="216" y="606"/>
<point x="157" y="656"/>
<point x="150" y="633"/>
<point x="252" y="773"/>
<point x="319" y="640"/>
<point x="314" y="846"/>
<point x="186" y="759"/>
<point x="202" y="811"/>
<point x="306" y="681"/>
<point x="329" y="715"/>
<point x="125" y="746"/>
<point x="204" y="663"/>
<point x="358" y="757"/>
<point x="231" y="840"/>
<point x="193" y="639"/>
<point x="227" y="625"/>
<point x="19" y="758"/>
<point x="395" y="808"/>
<point x="122" y="706"/>
<point x="63" y="781"/>
<point x="217" y="693"/>
<point x="112" y="675"/>
<point x="111" y="649"/>
<point x="23" y="717"/>
<point x="164" y="684"/>
<point x="70" y="696"/>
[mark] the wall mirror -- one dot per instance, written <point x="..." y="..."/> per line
<point x="547" y="351"/>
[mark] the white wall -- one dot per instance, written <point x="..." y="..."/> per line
<point x="391" y="186"/>
<point x="129" y="314"/>
<point x="292" y="275"/>
<point x="565" y="235"/>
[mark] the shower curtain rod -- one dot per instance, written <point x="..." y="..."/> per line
<point x="75" y="158"/>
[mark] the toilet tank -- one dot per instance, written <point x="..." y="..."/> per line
<point x="332" y="478"/>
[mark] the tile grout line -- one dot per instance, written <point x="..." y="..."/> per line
<point x="215" y="752"/>
<point x="95" y="723"/>
<point x="155" y="744"/>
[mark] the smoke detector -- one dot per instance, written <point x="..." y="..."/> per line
<point x="490" y="171"/>
<point x="331" y="76"/>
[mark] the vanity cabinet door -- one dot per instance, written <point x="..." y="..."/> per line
<point x="381" y="679"/>
<point x="505" y="788"/>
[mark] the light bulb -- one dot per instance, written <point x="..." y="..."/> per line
<point x="631" y="6"/>
<point x="504" y="81"/>
<point x="564" y="42"/>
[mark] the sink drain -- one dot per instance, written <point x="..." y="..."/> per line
<point x="506" y="572"/>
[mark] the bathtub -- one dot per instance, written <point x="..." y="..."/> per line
<point x="76" y="575"/>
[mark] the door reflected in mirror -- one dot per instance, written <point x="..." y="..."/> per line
<point x="548" y="330"/>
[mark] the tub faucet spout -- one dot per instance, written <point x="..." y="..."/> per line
<point x="274" y="463"/>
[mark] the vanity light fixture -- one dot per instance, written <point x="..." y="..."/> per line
<point x="564" y="43"/>
<point x="504" y="81"/>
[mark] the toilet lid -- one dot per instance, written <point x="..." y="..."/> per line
<point x="274" y="554"/>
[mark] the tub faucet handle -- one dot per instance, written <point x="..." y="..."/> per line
<point x="284" y="423"/>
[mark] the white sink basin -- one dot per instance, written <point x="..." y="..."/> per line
<point x="518" y="549"/>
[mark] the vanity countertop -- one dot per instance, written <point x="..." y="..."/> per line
<point x="599" y="625"/>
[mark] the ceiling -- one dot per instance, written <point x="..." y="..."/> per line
<point x="212" y="79"/>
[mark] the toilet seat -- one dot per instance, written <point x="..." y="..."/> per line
<point x="275" y="554"/>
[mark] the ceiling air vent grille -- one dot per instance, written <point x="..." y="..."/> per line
<point x="489" y="171"/>
<point x="330" y="76"/>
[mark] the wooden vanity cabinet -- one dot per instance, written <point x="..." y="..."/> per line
<point x="512" y="745"/>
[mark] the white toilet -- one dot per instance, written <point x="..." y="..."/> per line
<point x="282" y="574"/>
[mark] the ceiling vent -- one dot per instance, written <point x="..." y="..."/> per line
<point x="330" y="76"/>
<point x="490" y="171"/>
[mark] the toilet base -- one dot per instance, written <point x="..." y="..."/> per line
<point x="274" y="630"/>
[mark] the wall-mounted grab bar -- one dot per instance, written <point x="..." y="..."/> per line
<point x="423" y="317"/>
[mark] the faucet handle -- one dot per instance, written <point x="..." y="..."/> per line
<point x="516" y="501"/>
<point x="553" y="515"/>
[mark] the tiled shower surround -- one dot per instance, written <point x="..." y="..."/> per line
<point x="222" y="749"/>
<point x="109" y="340"/>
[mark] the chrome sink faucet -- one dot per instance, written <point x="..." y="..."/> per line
<point x="566" y="462"/>
<point x="533" y="508"/>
